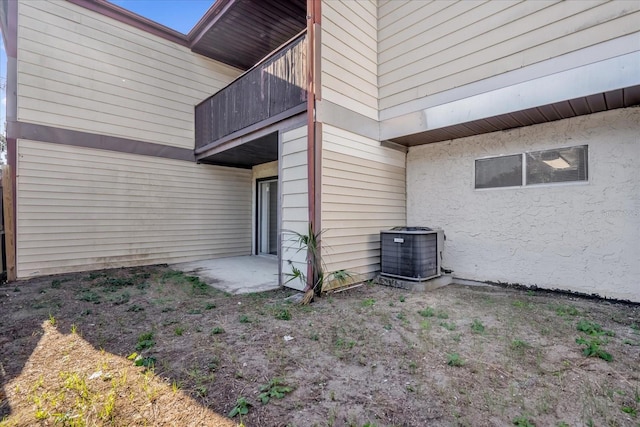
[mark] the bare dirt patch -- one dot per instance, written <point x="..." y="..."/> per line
<point x="370" y="356"/>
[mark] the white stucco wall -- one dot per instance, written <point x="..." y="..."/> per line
<point x="581" y="237"/>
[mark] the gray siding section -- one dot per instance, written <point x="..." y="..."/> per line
<point x="425" y="48"/>
<point x="83" y="209"/>
<point x="83" y="71"/>
<point x="295" y="203"/>
<point x="363" y="192"/>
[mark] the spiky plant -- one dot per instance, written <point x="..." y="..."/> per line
<point x="315" y="276"/>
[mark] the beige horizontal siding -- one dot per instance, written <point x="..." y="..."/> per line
<point x="363" y="192"/>
<point x="82" y="209"/>
<point x="429" y="47"/>
<point x="294" y="202"/>
<point x="83" y="71"/>
<point x="349" y="55"/>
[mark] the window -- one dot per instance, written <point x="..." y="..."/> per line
<point x="505" y="171"/>
<point x="540" y="167"/>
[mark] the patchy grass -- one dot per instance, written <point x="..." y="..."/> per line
<point x="367" y="356"/>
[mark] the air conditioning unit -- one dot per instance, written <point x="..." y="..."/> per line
<point x="411" y="253"/>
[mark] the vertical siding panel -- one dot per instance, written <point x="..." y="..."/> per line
<point x="294" y="203"/>
<point x="82" y="209"/>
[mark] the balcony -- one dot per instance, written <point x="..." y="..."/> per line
<point x="273" y="90"/>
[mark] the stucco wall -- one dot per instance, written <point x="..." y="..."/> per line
<point x="579" y="237"/>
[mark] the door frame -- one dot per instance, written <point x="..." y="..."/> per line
<point x="257" y="207"/>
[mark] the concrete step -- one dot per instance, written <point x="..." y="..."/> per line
<point x="410" y="285"/>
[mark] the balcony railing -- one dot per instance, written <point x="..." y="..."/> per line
<point x="273" y="89"/>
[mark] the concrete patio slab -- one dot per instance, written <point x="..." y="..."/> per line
<point x="236" y="275"/>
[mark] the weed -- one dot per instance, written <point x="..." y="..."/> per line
<point x="209" y="306"/>
<point x="314" y="337"/>
<point x="387" y="326"/>
<point x="427" y="312"/>
<point x="442" y="315"/>
<point x="147" y="362"/>
<point x="521" y="304"/>
<point x="402" y="298"/>
<point x="145" y="341"/>
<point x="113" y="284"/>
<point x="179" y="330"/>
<point x="276" y="388"/>
<point x="401" y="316"/>
<point x="519" y="345"/>
<point x="194" y="311"/>
<point x="106" y="413"/>
<point x="56" y="283"/>
<point x="213" y="363"/>
<point x="74" y="329"/>
<point x="368" y="302"/>
<point x="89" y="296"/>
<point x="592" y="348"/>
<point x="631" y="343"/>
<point x="52" y="320"/>
<point x="593" y="329"/>
<point x="95" y="275"/>
<point x="41" y="415"/>
<point x="477" y="326"/>
<point x="244" y="319"/>
<point x="342" y="343"/>
<point x="630" y="410"/>
<point x="562" y="424"/>
<point x="425" y="325"/>
<point x="121" y="299"/>
<point x="201" y="391"/>
<point x="217" y="330"/>
<point x="135" y="308"/>
<point x="283" y="314"/>
<point x="241" y="408"/>
<point x="448" y="326"/>
<point x="523" y="421"/>
<point x="454" y="359"/>
<point x="567" y="310"/>
<point x="179" y="278"/>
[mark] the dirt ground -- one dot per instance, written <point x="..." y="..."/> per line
<point x="370" y="356"/>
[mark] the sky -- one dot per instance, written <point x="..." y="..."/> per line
<point x="181" y="15"/>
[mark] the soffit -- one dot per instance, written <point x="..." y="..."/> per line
<point x="242" y="32"/>
<point x="620" y="98"/>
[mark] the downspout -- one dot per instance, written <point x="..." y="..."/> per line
<point x="313" y="143"/>
<point x="11" y="48"/>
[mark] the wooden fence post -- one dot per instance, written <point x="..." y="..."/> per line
<point x="9" y="222"/>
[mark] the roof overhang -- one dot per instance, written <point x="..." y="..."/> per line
<point x="245" y="154"/>
<point x="242" y="32"/>
<point x="600" y="86"/>
<point x="236" y="32"/>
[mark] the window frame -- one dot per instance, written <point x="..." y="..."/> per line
<point x="524" y="184"/>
